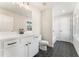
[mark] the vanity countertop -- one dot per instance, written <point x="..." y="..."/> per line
<point x="10" y="35"/>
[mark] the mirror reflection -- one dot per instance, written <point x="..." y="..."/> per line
<point x="15" y="17"/>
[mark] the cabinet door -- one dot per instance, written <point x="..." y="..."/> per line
<point x="36" y="45"/>
<point x="1" y="52"/>
<point x="33" y="47"/>
<point x="11" y="48"/>
<point x="26" y="50"/>
<point x="11" y="52"/>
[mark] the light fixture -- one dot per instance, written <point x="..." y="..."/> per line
<point x="63" y="11"/>
<point x="44" y="4"/>
<point x="23" y="4"/>
<point x="76" y="16"/>
<point x="26" y="5"/>
<point x="18" y="4"/>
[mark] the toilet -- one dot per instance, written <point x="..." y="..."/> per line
<point x="43" y="45"/>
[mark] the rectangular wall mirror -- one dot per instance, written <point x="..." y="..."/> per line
<point x="13" y="17"/>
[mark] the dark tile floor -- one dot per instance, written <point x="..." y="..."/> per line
<point x="60" y="49"/>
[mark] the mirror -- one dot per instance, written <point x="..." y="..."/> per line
<point x="14" y="17"/>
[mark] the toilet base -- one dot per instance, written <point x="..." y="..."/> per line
<point x="44" y="48"/>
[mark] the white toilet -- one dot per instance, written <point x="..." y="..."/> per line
<point x="43" y="45"/>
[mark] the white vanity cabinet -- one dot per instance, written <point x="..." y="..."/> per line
<point x="30" y="46"/>
<point x="11" y="48"/>
<point x="19" y="46"/>
<point x="27" y="45"/>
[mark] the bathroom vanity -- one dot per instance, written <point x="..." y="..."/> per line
<point x="14" y="19"/>
<point x="19" y="45"/>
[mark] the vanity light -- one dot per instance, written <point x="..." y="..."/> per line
<point x="26" y="5"/>
<point x="63" y="11"/>
<point x="77" y="16"/>
<point x="23" y="4"/>
<point x="44" y="4"/>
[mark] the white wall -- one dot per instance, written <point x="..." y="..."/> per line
<point x="47" y="20"/>
<point x="76" y="28"/>
<point x="6" y="23"/>
<point x="19" y="20"/>
<point x="46" y="25"/>
<point x="36" y="18"/>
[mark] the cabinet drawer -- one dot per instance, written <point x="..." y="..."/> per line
<point x="11" y="43"/>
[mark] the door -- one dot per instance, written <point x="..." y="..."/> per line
<point x="55" y="29"/>
<point x="61" y="28"/>
<point x="65" y="33"/>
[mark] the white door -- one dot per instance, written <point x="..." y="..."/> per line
<point x="65" y="33"/>
<point x="55" y="29"/>
<point x="61" y="29"/>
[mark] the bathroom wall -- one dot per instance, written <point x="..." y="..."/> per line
<point x="19" y="20"/>
<point x="76" y="28"/>
<point x="36" y="19"/>
<point x="46" y="25"/>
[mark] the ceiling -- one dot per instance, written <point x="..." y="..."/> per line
<point x="63" y="8"/>
<point x="13" y="7"/>
<point x="58" y="7"/>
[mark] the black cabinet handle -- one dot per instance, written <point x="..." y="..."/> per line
<point x="12" y="43"/>
<point x="29" y="43"/>
<point x="26" y="44"/>
<point x="36" y="37"/>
